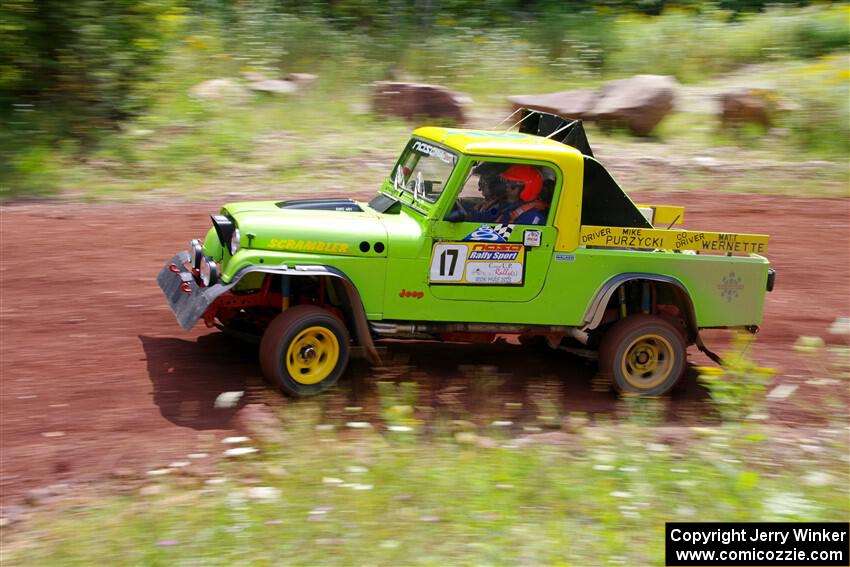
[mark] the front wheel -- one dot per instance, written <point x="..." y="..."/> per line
<point x="304" y="350"/>
<point x="644" y="355"/>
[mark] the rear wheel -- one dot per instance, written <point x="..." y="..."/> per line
<point x="643" y="354"/>
<point x="304" y="350"/>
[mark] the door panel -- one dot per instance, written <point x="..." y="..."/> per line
<point x="463" y="269"/>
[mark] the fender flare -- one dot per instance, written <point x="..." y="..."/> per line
<point x="596" y="309"/>
<point x="358" y="312"/>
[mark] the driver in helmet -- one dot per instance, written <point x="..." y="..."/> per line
<point x="492" y="189"/>
<point x="522" y="203"/>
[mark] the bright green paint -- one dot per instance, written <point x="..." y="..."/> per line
<point x="561" y="279"/>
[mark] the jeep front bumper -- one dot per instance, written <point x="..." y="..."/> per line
<point x="186" y="297"/>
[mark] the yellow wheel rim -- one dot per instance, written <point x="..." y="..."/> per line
<point x="647" y="362"/>
<point x="312" y="355"/>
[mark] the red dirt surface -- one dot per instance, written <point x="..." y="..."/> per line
<point x="95" y="374"/>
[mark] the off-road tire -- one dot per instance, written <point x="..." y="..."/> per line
<point x="643" y="355"/>
<point x="297" y="332"/>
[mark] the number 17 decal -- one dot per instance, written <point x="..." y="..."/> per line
<point x="447" y="262"/>
<point x="478" y="263"/>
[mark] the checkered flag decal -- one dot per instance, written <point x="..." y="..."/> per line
<point x="504" y="230"/>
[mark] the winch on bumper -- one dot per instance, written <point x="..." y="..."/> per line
<point x="186" y="297"/>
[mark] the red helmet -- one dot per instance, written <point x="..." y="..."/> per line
<point x="529" y="176"/>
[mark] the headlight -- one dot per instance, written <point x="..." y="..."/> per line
<point x="234" y="241"/>
<point x="196" y="253"/>
<point x="209" y="271"/>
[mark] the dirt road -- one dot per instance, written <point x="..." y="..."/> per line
<point x="96" y="375"/>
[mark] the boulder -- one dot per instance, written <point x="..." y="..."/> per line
<point x="409" y="100"/>
<point x="748" y="105"/>
<point x="293" y="83"/>
<point x="302" y="80"/>
<point x="220" y="90"/>
<point x="571" y="104"/>
<point x="274" y="86"/>
<point x="638" y="103"/>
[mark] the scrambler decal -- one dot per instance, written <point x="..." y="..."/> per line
<point x="308" y="246"/>
<point x="478" y="263"/>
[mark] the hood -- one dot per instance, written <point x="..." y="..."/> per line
<point x="320" y="226"/>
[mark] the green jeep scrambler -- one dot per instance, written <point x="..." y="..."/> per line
<point x="473" y="234"/>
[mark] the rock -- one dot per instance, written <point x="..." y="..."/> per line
<point x="159" y="472"/>
<point x="556" y="438"/>
<point x="782" y="391"/>
<point x="409" y="100"/>
<point x="239" y="451"/>
<point x="571" y="104"/>
<point x="707" y="162"/>
<point x="673" y="435"/>
<point x="228" y="399"/>
<point x="11" y="515"/>
<point x="220" y="90"/>
<point x="748" y="105"/>
<point x="466" y="437"/>
<point x="264" y="493"/>
<point x="274" y="86"/>
<point x="122" y="472"/>
<point x="841" y="326"/>
<point x="638" y="103"/>
<point x="150" y="490"/>
<point x="50" y="434"/>
<point x="302" y="80"/>
<point x="254" y="76"/>
<point x="38" y="496"/>
<point x="261" y="422"/>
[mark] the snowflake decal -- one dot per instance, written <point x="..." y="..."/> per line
<point x="729" y="286"/>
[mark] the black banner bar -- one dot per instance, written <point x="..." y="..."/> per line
<point x="761" y="544"/>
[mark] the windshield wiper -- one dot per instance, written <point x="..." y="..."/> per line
<point x="418" y="187"/>
<point x="398" y="178"/>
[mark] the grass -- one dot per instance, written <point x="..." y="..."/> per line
<point x="601" y="495"/>
<point x="326" y="491"/>
<point x="328" y="143"/>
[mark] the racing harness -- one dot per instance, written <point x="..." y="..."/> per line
<point x="536" y="205"/>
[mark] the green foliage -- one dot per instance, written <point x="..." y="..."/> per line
<point x="85" y="57"/>
<point x="398" y="401"/>
<point x="819" y="92"/>
<point x="108" y="82"/>
<point x="601" y="495"/>
<point x="693" y="46"/>
<point x="645" y="411"/>
<point x="737" y="389"/>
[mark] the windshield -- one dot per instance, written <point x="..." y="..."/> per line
<point x="423" y="170"/>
